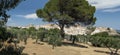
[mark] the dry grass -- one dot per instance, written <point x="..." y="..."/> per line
<point x="37" y="49"/>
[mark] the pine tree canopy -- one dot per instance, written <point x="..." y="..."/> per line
<point x="68" y="12"/>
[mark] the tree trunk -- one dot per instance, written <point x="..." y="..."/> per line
<point x="74" y="38"/>
<point x="25" y="41"/>
<point x="53" y="46"/>
<point x="70" y="38"/>
<point x="36" y="40"/>
<point x="62" y="31"/>
<point x="41" y="39"/>
<point x="116" y="51"/>
<point x="112" y="52"/>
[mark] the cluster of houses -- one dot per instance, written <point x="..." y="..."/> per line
<point x="75" y="30"/>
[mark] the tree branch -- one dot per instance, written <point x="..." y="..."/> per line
<point x="109" y="49"/>
<point x="4" y="44"/>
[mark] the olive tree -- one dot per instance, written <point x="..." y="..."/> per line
<point x="41" y="34"/>
<point x="105" y="40"/>
<point x="54" y="37"/>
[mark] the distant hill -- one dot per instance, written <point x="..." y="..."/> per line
<point x="75" y="30"/>
<point x="82" y="30"/>
<point x="118" y="31"/>
<point x="111" y="31"/>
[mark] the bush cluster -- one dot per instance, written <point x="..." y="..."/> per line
<point x="105" y="40"/>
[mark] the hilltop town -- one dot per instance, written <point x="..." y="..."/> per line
<point x="75" y="30"/>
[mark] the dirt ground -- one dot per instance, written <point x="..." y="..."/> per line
<point x="45" y="49"/>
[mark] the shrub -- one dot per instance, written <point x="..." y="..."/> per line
<point x="104" y="40"/>
<point x="54" y="37"/>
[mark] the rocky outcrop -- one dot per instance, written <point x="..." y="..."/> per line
<point x="75" y="30"/>
<point x="105" y="29"/>
<point x="70" y="31"/>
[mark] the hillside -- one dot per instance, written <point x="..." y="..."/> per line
<point x="82" y="30"/>
<point x="118" y="31"/>
<point x="37" y="49"/>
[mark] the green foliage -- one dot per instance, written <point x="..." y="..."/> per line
<point x="104" y="40"/>
<point x="19" y="33"/>
<point x="4" y="35"/>
<point x="83" y="38"/>
<point x="67" y="12"/>
<point x="11" y="50"/>
<point x="6" y="5"/>
<point x="54" y="37"/>
<point x="97" y="39"/>
<point x="32" y="32"/>
<point x="32" y="29"/>
<point x="41" y="34"/>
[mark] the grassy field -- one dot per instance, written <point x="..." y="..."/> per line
<point x="45" y="49"/>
